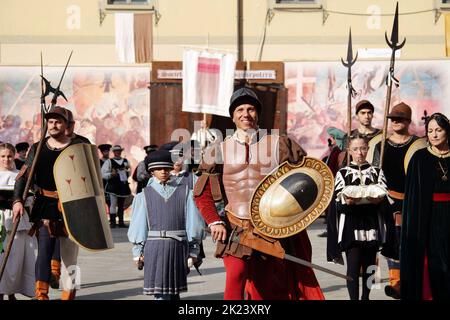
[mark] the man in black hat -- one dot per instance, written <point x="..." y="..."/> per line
<point x="104" y="150"/>
<point x="46" y="215"/>
<point x="140" y="174"/>
<point x="22" y="149"/>
<point x="164" y="236"/>
<point x="364" y="113"/>
<point x="116" y="172"/>
<point x="237" y="166"/>
<point x="396" y="146"/>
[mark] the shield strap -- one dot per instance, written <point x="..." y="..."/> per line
<point x="250" y="238"/>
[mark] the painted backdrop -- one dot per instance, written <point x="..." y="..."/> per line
<point x="317" y="96"/>
<point x="110" y="104"/>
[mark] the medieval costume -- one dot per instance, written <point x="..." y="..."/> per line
<point x="425" y="244"/>
<point x="116" y="171"/>
<point x="140" y="174"/>
<point x="19" y="274"/>
<point x="21" y="149"/>
<point x="46" y="215"/>
<point x="103" y="149"/>
<point x="167" y="228"/>
<point x="360" y="227"/>
<point x="232" y="176"/>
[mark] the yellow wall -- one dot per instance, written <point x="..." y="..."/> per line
<point x="28" y="27"/>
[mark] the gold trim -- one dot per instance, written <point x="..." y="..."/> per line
<point x="318" y="208"/>
<point x="434" y="153"/>
<point x="417" y="145"/>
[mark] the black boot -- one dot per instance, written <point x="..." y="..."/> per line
<point x="112" y="220"/>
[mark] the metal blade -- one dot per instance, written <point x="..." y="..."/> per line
<point x="349" y="48"/>
<point x="394" y="34"/>
<point x="315" y="266"/>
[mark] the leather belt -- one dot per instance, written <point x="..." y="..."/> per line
<point x="51" y="194"/>
<point x="243" y="223"/>
<point x="178" y="235"/>
<point x="396" y="195"/>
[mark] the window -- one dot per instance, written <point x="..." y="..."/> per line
<point x="443" y="4"/>
<point x="301" y="4"/>
<point x="134" y="5"/>
<point x="128" y="1"/>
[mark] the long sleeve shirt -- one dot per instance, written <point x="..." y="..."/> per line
<point x="139" y="226"/>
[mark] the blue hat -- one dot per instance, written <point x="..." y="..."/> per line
<point x="338" y="135"/>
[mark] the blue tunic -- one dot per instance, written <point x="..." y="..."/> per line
<point x="165" y="207"/>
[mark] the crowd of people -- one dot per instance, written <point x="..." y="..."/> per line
<point x="378" y="206"/>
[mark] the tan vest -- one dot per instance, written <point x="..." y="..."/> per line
<point x="240" y="179"/>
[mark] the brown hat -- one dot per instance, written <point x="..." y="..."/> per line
<point x="70" y="114"/>
<point x="58" y="111"/>
<point x="401" y="110"/>
<point x="364" y="104"/>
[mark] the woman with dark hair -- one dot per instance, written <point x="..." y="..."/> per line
<point x="360" y="189"/>
<point x="425" y="244"/>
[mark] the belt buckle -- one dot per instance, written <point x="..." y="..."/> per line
<point x="162" y="233"/>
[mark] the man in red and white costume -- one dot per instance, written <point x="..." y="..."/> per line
<point x="231" y="171"/>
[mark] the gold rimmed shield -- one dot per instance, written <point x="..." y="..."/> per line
<point x="291" y="197"/>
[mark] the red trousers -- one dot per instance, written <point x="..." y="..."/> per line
<point x="269" y="278"/>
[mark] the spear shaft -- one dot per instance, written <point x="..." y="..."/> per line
<point x="351" y="91"/>
<point x="30" y="175"/>
<point x="394" y="45"/>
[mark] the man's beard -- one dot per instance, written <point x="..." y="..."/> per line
<point x="57" y="134"/>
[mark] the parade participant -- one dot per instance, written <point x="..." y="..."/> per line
<point x="335" y="144"/>
<point x="364" y="113"/>
<point x="140" y="174"/>
<point x="162" y="227"/>
<point x="396" y="147"/>
<point x="22" y="149"/>
<point x="359" y="189"/>
<point x="48" y="223"/>
<point x="425" y="243"/>
<point x="104" y="150"/>
<point x="116" y="172"/>
<point x="56" y="257"/>
<point x="249" y="273"/>
<point x="71" y="127"/>
<point x="182" y="168"/>
<point x="19" y="274"/>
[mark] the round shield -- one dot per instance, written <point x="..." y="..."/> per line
<point x="372" y="143"/>
<point x="291" y="197"/>
<point x="416" y="145"/>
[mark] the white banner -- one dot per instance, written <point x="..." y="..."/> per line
<point x="208" y="80"/>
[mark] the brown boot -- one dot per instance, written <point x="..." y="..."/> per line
<point x="56" y="274"/>
<point x="41" y="290"/>
<point x="393" y="289"/>
<point x="68" y="294"/>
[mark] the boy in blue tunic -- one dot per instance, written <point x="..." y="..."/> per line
<point x="166" y="226"/>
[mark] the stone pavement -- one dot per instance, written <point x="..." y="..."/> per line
<point x="112" y="275"/>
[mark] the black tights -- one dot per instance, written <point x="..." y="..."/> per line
<point x="358" y="258"/>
